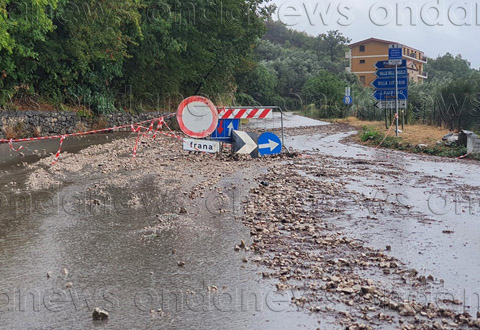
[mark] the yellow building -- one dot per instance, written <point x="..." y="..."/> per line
<point x="364" y="54"/>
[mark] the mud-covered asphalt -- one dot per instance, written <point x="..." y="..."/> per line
<point x="331" y="236"/>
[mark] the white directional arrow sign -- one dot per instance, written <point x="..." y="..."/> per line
<point x="269" y="144"/>
<point x="249" y="146"/>
<point x="390" y="104"/>
<point x="230" y="129"/>
<point x="272" y="145"/>
<point x="245" y="143"/>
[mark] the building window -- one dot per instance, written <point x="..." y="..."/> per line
<point x="362" y="61"/>
<point x="362" y="79"/>
<point x="362" y="48"/>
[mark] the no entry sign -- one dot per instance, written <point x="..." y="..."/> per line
<point x="197" y="116"/>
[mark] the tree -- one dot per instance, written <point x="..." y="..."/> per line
<point x="279" y="33"/>
<point x="295" y="57"/>
<point x="326" y="91"/>
<point x="448" y="97"/>
<point x="458" y="103"/>
<point x="448" y="67"/>
<point x="22" y="24"/>
<point x="192" y="51"/>
<point x="82" y="58"/>
<point x="334" y="44"/>
<point x="260" y="83"/>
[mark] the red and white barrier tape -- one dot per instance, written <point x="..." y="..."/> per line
<point x="57" y="155"/>
<point x="53" y="137"/>
<point x="136" y="128"/>
<point x="159" y="127"/>
<point x="10" y="143"/>
<point x="140" y="133"/>
<point x="464" y="156"/>
<point x="388" y="133"/>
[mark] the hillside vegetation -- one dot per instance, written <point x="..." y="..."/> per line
<point x="138" y="55"/>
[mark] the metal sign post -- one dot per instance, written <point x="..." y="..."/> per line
<point x="395" y="57"/>
<point x="396" y="97"/>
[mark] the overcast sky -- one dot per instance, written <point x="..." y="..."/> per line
<point x="436" y="27"/>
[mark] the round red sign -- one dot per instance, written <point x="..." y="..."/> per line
<point x="197" y="116"/>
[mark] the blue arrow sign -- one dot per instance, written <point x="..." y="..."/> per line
<point x="390" y="73"/>
<point x="225" y="128"/>
<point x="269" y="144"/>
<point x="347" y="100"/>
<point x="385" y="94"/>
<point x="384" y="64"/>
<point x="389" y="83"/>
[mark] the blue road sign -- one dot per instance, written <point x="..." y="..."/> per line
<point x="225" y="128"/>
<point x="389" y="83"/>
<point x="385" y="94"/>
<point x="347" y="100"/>
<point x="395" y="54"/>
<point x="269" y="144"/>
<point x="384" y="64"/>
<point x="390" y="73"/>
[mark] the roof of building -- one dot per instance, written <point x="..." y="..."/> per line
<point x="381" y="41"/>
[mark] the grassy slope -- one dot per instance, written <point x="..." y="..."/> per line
<point x="412" y="134"/>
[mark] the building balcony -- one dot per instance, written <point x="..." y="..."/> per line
<point x="423" y="75"/>
<point x="422" y="60"/>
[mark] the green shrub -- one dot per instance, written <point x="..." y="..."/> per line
<point x="474" y="156"/>
<point x="391" y="142"/>
<point x="454" y="151"/>
<point x="443" y="151"/>
<point x="371" y="134"/>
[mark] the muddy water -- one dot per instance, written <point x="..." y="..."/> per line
<point x="112" y="264"/>
<point x="32" y="151"/>
<point x="437" y="233"/>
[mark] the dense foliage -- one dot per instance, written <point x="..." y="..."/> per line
<point x="142" y="54"/>
<point x="131" y="54"/>
<point x="450" y="97"/>
<point x="304" y="72"/>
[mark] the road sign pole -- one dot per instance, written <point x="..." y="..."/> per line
<point x="396" y="96"/>
<point x="283" y="136"/>
<point x="386" y="114"/>
<point x="390" y="109"/>
<point x="353" y="101"/>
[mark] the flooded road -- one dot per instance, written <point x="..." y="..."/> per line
<point x="94" y="242"/>
<point x="157" y="242"/>
<point x="436" y="231"/>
